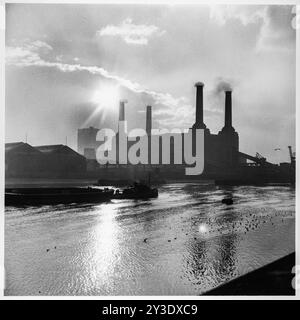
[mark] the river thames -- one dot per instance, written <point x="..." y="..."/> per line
<point x="185" y="242"/>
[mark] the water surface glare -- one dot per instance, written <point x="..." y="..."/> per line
<point x="184" y="242"/>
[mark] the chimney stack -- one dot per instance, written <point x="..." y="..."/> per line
<point x="149" y="120"/>
<point x="228" y="109"/>
<point x="199" y="124"/>
<point x="122" y="110"/>
<point x="148" y="130"/>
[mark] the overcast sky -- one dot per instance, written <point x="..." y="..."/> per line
<point x="67" y="65"/>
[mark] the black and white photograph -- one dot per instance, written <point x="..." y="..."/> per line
<point x="149" y="149"/>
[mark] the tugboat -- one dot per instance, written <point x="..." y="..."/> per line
<point x="42" y="196"/>
<point x="137" y="191"/>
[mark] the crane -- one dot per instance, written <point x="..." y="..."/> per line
<point x="260" y="158"/>
<point x="292" y="155"/>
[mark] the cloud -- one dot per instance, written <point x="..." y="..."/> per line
<point x="28" y="53"/>
<point x="59" y="57"/>
<point x="137" y="34"/>
<point x="39" y="45"/>
<point x="244" y="14"/>
<point x="29" y="56"/>
<point x="275" y="32"/>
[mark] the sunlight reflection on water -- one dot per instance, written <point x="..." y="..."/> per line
<point x="184" y="242"/>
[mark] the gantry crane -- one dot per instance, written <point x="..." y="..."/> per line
<point x="292" y="155"/>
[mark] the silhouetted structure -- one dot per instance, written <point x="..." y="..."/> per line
<point x="62" y="160"/>
<point x="51" y="161"/>
<point x="220" y="150"/>
<point x="222" y="159"/>
<point x="21" y="159"/>
<point x="199" y="124"/>
<point x="86" y="142"/>
<point x="122" y="110"/>
<point x="121" y="119"/>
<point x="148" y="130"/>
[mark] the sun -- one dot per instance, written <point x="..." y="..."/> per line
<point x="106" y="97"/>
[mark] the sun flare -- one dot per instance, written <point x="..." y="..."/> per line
<point x="106" y="97"/>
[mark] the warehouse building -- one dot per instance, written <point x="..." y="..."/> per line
<point x="48" y="161"/>
<point x="22" y="160"/>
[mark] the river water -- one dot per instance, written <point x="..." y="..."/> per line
<point x="185" y="242"/>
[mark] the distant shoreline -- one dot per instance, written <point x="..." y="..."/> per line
<point x="81" y="182"/>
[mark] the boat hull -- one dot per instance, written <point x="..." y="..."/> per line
<point x="55" y="196"/>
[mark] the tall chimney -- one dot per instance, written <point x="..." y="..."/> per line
<point x="149" y="120"/>
<point x="122" y="110"/>
<point x="228" y="109"/>
<point x="148" y="130"/>
<point x="199" y="124"/>
<point x="120" y="157"/>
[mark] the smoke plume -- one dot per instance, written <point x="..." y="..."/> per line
<point x="222" y="85"/>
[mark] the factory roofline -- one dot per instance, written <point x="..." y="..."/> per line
<point x="89" y="128"/>
<point x="20" y="147"/>
<point x="56" y="148"/>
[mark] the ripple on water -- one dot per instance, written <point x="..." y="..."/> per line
<point x="184" y="242"/>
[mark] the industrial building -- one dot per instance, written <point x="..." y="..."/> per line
<point x="50" y="161"/>
<point x="22" y="160"/>
<point x="221" y="150"/>
<point x="86" y="142"/>
<point x="223" y="160"/>
<point x="62" y="161"/>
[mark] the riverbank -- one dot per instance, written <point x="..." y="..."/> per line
<point x="43" y="182"/>
<point x="272" y="279"/>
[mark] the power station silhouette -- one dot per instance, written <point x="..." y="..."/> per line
<point x="223" y="161"/>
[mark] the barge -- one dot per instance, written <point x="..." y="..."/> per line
<point x="41" y="196"/>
